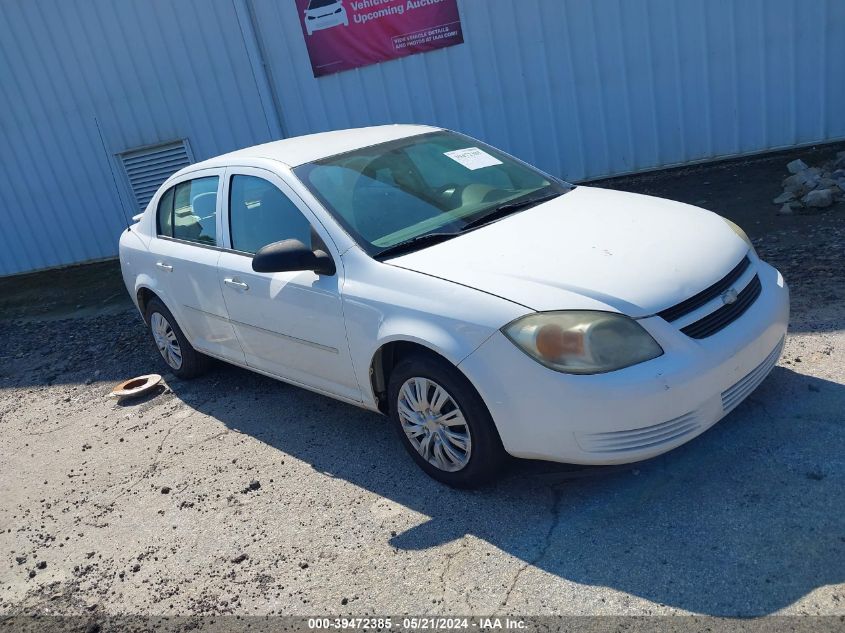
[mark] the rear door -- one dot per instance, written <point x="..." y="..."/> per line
<point x="289" y="324"/>
<point x="185" y="254"/>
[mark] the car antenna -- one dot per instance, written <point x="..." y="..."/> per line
<point x="113" y="177"/>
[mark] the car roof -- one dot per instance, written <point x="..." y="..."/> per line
<point x="299" y="150"/>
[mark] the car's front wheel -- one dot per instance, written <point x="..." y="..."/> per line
<point x="182" y="359"/>
<point x="443" y="422"/>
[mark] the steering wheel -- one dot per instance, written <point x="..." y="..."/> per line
<point x="451" y="192"/>
<point x="207" y="200"/>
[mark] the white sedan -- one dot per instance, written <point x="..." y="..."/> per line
<point x="486" y="307"/>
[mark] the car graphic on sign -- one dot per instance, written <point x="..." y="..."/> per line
<point x="324" y="14"/>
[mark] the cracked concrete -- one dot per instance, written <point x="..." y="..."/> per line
<point x="150" y="507"/>
<point x="554" y="521"/>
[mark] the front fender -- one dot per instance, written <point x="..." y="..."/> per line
<point x="384" y="303"/>
<point x="433" y="336"/>
<point x="429" y="335"/>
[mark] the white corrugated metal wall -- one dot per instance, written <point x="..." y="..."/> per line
<point x="581" y="88"/>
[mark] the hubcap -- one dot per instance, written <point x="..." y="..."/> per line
<point x="434" y="424"/>
<point x="166" y="340"/>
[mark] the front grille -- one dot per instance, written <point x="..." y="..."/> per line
<point x="727" y="314"/>
<point x="723" y="316"/>
<point x="639" y="439"/>
<point x="696" y="301"/>
<point x="734" y="395"/>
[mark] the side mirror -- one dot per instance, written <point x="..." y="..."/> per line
<point x="289" y="255"/>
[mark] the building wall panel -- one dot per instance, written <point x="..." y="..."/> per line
<point x="583" y="89"/>
<point x="83" y="80"/>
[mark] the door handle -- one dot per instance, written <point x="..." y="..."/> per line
<point x="164" y="266"/>
<point x="235" y="283"/>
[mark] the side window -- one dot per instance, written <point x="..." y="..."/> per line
<point x="260" y="214"/>
<point x="164" y="218"/>
<point x="195" y="210"/>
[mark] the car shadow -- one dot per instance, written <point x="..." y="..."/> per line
<point x="742" y="521"/>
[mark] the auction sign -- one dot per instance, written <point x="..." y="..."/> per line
<point x="344" y="34"/>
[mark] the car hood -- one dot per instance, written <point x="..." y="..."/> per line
<point x="590" y="248"/>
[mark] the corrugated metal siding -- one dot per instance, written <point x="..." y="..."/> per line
<point x="593" y="88"/>
<point x="144" y="72"/>
<point x="581" y="88"/>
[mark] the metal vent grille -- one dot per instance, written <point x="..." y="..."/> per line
<point x="148" y="167"/>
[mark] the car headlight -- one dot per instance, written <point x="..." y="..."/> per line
<point x="582" y="342"/>
<point x="742" y="234"/>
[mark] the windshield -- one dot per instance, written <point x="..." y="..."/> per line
<point x="439" y="182"/>
<point x="319" y="4"/>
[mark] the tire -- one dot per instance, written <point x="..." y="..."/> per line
<point x="176" y="352"/>
<point x="485" y="457"/>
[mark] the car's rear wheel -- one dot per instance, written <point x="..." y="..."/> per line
<point x="179" y="355"/>
<point x="443" y="422"/>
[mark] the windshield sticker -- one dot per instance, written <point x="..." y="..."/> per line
<point x="473" y="158"/>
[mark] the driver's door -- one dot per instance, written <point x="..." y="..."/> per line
<point x="289" y="324"/>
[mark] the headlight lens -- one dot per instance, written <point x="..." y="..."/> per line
<point x="738" y="230"/>
<point x="583" y="342"/>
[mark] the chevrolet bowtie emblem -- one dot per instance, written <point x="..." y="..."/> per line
<point x="729" y="296"/>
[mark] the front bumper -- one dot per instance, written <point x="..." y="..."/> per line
<point x="638" y="412"/>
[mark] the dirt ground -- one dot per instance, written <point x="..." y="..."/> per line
<point x="236" y="494"/>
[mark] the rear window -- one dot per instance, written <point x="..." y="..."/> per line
<point x="188" y="211"/>
<point x="164" y="217"/>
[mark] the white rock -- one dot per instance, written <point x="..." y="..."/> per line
<point x="796" y="166"/>
<point x="785" y="210"/>
<point x="819" y="198"/>
<point x="786" y="196"/>
<point x="801" y="183"/>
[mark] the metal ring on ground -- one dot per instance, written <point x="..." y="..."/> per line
<point x="136" y="386"/>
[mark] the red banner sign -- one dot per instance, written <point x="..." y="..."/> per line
<point x="344" y="34"/>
